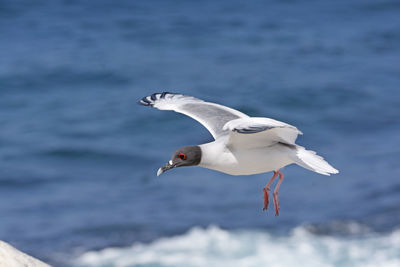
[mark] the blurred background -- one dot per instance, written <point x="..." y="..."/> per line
<point x="78" y="157"/>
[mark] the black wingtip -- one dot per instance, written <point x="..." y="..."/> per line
<point x="144" y="101"/>
<point x="154" y="96"/>
<point x="141" y="103"/>
<point x="163" y="94"/>
<point x="150" y="100"/>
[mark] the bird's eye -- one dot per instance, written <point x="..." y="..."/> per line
<point x="182" y="156"/>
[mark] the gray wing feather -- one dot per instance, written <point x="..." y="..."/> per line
<point x="210" y="115"/>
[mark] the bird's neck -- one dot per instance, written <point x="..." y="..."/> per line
<point x="215" y="153"/>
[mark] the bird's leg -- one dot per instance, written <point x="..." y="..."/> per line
<point x="267" y="188"/>
<point x="275" y="194"/>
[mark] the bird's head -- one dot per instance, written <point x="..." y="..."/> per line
<point x="184" y="156"/>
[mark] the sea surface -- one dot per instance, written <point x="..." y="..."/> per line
<point x="78" y="156"/>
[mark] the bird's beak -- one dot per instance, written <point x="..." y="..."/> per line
<point x="165" y="168"/>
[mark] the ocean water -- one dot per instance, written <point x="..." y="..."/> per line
<point x="78" y="157"/>
<point x="216" y="247"/>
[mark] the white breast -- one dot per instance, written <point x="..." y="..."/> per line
<point x="217" y="157"/>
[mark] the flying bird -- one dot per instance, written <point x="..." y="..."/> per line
<point x="243" y="145"/>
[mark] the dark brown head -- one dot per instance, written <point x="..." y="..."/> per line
<point x="184" y="156"/>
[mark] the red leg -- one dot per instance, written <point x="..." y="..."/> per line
<point x="275" y="194"/>
<point x="266" y="189"/>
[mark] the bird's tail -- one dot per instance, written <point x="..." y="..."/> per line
<point x="310" y="160"/>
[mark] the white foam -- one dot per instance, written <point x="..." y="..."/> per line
<point x="216" y="247"/>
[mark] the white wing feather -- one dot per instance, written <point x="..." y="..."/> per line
<point x="259" y="132"/>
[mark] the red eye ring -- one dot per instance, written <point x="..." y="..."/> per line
<point x="182" y="156"/>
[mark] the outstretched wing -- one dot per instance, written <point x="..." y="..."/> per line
<point x="210" y="115"/>
<point x="259" y="132"/>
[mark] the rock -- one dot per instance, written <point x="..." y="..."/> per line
<point x="12" y="257"/>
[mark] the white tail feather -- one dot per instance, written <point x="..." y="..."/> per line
<point x="310" y="160"/>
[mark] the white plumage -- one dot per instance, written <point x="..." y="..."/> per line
<point x="243" y="145"/>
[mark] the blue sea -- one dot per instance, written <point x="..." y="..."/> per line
<point x="78" y="156"/>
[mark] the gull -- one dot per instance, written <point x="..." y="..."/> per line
<point x="242" y="145"/>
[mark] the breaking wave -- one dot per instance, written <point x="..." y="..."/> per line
<point x="214" y="246"/>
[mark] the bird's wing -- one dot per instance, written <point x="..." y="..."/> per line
<point x="210" y="115"/>
<point x="259" y="132"/>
